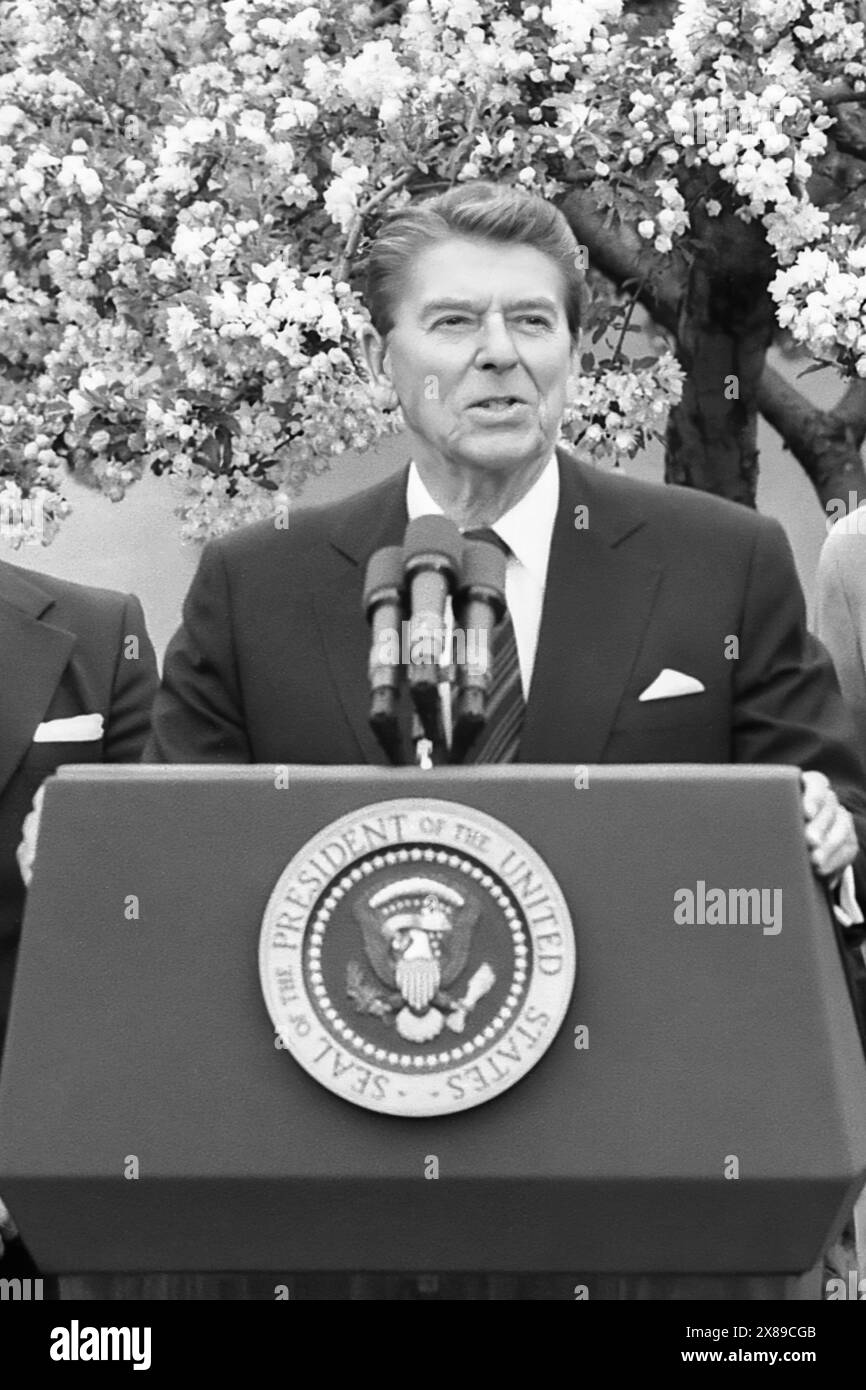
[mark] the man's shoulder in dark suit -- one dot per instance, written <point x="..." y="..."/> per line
<point x="669" y="506"/>
<point x="308" y="527"/>
<point x="89" y="605"/>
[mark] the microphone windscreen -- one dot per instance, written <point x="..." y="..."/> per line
<point x="484" y="567"/>
<point x="433" y="535"/>
<point x="384" y="572"/>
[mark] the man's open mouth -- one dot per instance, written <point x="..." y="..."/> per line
<point x="497" y="403"/>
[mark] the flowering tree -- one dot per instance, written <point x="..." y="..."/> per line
<point x="188" y="190"/>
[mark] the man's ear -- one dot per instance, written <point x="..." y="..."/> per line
<point x="574" y="369"/>
<point x="378" y="362"/>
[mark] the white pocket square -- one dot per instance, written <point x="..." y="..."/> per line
<point x="670" y="682"/>
<point x="81" y="728"/>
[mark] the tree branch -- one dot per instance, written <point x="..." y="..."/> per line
<point x="852" y="410"/>
<point x="835" y="93"/>
<point x="621" y="255"/>
<point x="826" y="443"/>
<point x="358" y="222"/>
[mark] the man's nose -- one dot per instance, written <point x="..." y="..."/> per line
<point x="496" y="347"/>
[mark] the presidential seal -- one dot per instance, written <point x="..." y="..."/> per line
<point x="417" y="957"/>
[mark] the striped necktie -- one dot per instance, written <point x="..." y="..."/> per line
<point x="499" y="739"/>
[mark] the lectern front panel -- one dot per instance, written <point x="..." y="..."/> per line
<point x="700" y="1109"/>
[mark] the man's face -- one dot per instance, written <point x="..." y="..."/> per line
<point x="480" y="322"/>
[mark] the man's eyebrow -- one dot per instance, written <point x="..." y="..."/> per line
<point x="435" y="306"/>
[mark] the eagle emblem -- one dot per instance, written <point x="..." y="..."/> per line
<point x="417" y="935"/>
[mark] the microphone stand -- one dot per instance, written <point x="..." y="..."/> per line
<point x="424" y="747"/>
<point x="429" y="752"/>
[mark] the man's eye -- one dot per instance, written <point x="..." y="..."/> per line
<point x="457" y="320"/>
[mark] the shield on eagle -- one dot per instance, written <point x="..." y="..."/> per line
<point x="417" y="935"/>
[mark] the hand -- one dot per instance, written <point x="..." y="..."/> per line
<point x="830" y="834"/>
<point x="26" y="851"/>
<point x="8" y="1229"/>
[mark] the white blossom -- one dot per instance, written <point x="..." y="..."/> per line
<point x="177" y="244"/>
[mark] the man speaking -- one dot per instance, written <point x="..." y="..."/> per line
<point x="644" y="624"/>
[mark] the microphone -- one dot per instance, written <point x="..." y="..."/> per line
<point x="433" y="552"/>
<point x="479" y="605"/>
<point x="383" y="606"/>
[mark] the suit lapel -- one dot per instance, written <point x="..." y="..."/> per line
<point x="598" y="599"/>
<point x="377" y="518"/>
<point x="597" y="603"/>
<point x="34" y="656"/>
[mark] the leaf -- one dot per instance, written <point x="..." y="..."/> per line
<point x="814" y="367"/>
<point x="209" y="455"/>
<point x="587" y="361"/>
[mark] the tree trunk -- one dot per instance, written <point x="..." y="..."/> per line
<point x="725" y="327"/>
<point x="826" y="443"/>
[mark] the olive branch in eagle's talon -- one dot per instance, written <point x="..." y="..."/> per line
<point x="364" y="994"/>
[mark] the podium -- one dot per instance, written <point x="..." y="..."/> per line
<point x="700" y="1110"/>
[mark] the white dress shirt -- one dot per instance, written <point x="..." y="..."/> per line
<point x="527" y="529"/>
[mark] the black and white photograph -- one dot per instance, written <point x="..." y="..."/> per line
<point x="432" y="670"/>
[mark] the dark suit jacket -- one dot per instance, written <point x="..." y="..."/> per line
<point x="269" y="665"/>
<point x="61" y="654"/>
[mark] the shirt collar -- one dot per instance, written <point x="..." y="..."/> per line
<point x="527" y="527"/>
